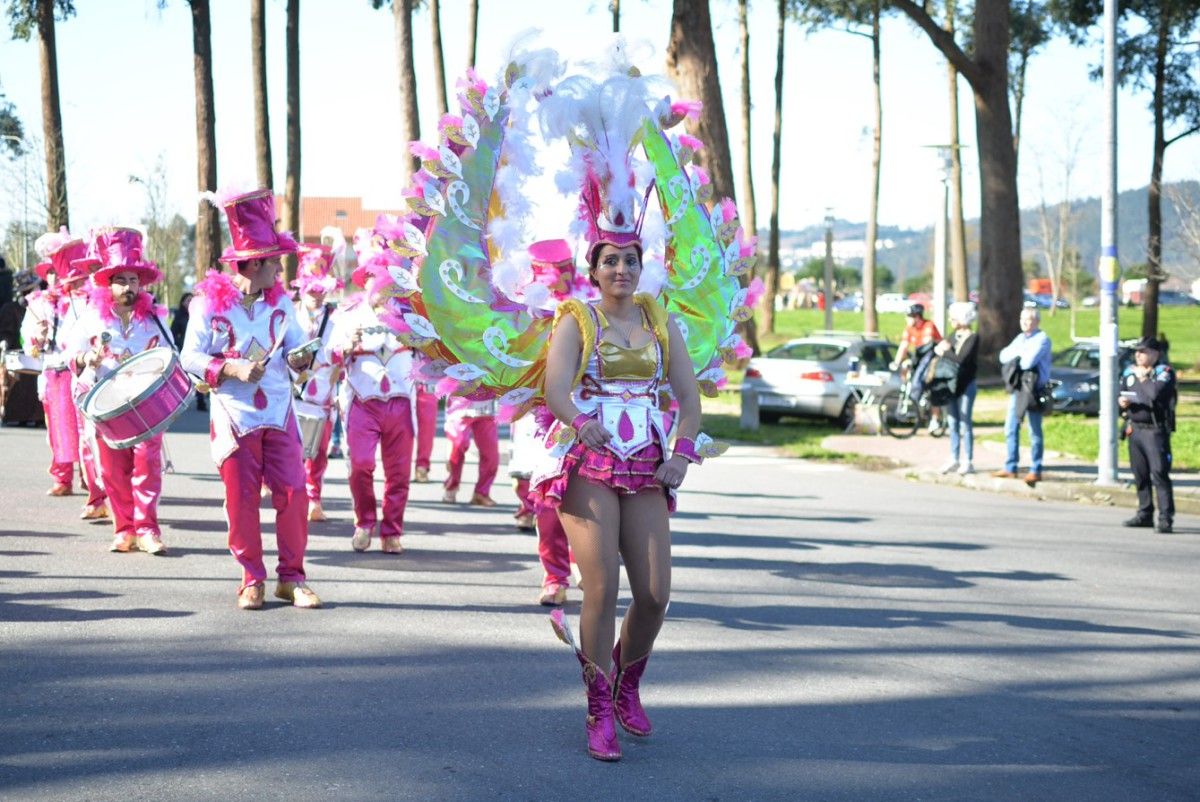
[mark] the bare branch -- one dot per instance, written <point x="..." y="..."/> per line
<point x="942" y="40"/>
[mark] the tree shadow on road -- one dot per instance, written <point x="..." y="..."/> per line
<point x="47" y="607"/>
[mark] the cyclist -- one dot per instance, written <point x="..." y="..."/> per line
<point x="917" y="343"/>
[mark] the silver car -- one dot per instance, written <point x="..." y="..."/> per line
<point x="807" y="377"/>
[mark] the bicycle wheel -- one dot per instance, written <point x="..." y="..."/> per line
<point x="898" y="415"/>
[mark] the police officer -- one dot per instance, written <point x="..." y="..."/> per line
<point x="1147" y="403"/>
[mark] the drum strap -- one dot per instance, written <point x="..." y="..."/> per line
<point x="324" y="320"/>
<point x="163" y="332"/>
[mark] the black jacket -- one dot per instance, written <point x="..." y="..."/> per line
<point x="968" y="362"/>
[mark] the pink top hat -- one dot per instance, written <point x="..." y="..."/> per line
<point x="553" y="265"/>
<point x="315" y="271"/>
<point x="115" y="250"/>
<point x="60" y="250"/>
<point x="251" y="219"/>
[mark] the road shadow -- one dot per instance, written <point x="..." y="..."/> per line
<point x="417" y="560"/>
<point x="738" y="540"/>
<point x="47" y="607"/>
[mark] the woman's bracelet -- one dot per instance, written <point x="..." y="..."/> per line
<point x="686" y="447"/>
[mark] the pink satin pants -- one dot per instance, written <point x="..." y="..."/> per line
<point x="427" y="408"/>
<point x="314" y="469"/>
<point x="274" y="458"/>
<point x="487" y="441"/>
<point x="62" y="429"/>
<point x="133" y="480"/>
<point x="89" y="458"/>
<point x="387" y="426"/>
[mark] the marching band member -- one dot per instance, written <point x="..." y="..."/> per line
<point x="377" y="409"/>
<point x="427" y="409"/>
<point x="239" y="323"/>
<point x="122" y="320"/>
<point x="49" y="314"/>
<point x="465" y="421"/>
<point x="318" y="385"/>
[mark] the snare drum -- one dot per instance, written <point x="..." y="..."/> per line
<point x="139" y="399"/>
<point x="311" y="418"/>
<point x="18" y="362"/>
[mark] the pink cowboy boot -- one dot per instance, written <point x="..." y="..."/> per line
<point x="626" y="700"/>
<point x="601" y="726"/>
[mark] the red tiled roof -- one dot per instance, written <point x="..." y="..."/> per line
<point x="346" y="214"/>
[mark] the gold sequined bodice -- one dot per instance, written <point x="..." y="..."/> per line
<point x="620" y="362"/>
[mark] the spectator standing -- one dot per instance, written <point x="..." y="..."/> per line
<point x="1147" y="402"/>
<point x="962" y="348"/>
<point x="1029" y="352"/>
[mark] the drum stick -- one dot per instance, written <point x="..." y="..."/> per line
<point x="168" y="465"/>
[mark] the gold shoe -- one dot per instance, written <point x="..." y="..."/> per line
<point x="480" y="500"/>
<point x="315" y="514"/>
<point x="251" y="597"/>
<point x="298" y="594"/>
<point x="151" y="543"/>
<point x="361" y="540"/>
<point x="526" y="522"/>
<point x="391" y="545"/>
<point x="450" y="497"/>
<point x="553" y="595"/>
<point x="421" y="475"/>
<point x="93" y="512"/>
<point x="60" y="490"/>
<point x="123" y="542"/>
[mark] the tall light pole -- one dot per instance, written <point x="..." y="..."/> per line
<point x="24" y="199"/>
<point x="1110" y="270"/>
<point x="828" y="288"/>
<point x="940" y="238"/>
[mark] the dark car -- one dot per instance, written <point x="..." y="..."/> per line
<point x="1077" y="371"/>
<point x="1176" y="298"/>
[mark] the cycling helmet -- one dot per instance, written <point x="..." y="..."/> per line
<point x="916" y="309"/>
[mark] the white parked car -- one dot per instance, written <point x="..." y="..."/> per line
<point x="892" y="302"/>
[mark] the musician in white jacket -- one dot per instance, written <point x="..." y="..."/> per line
<point x="120" y="321"/>
<point x="241" y="327"/>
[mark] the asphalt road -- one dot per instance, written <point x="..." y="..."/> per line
<point x="833" y="635"/>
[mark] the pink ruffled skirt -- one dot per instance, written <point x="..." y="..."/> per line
<point x="626" y="476"/>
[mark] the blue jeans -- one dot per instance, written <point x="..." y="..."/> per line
<point x="1012" y="428"/>
<point x="962" y="431"/>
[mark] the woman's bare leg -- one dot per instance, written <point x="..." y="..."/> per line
<point x="645" y="546"/>
<point x="591" y="516"/>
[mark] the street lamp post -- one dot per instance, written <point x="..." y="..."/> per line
<point x="828" y="288"/>
<point x="940" y="243"/>
<point x="1110" y="271"/>
<point x="24" y="199"/>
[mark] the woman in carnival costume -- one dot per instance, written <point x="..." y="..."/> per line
<point x="239" y="323"/>
<point x="318" y="385"/>
<point x="377" y="402"/>
<point x="608" y="366"/>
<point x="122" y="320"/>
<point x="50" y="315"/>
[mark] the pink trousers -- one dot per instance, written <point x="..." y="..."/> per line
<point x="274" y="458"/>
<point x="62" y="428"/>
<point x="553" y="549"/>
<point x="314" y="469"/>
<point x="487" y="441"/>
<point x="386" y="425"/>
<point x="427" y="407"/>
<point x="90" y="460"/>
<point x="133" y="480"/>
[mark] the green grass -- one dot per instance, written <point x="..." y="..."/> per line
<point x="1181" y="325"/>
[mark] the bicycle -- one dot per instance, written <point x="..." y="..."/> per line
<point x="901" y="416"/>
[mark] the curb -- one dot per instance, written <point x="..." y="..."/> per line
<point x="1085" y="493"/>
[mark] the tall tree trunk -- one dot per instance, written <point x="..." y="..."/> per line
<point x="749" y="214"/>
<point x="439" y="60"/>
<point x="208" y="227"/>
<point x="1154" y="272"/>
<point x="291" y="187"/>
<point x="58" y="214"/>
<point x="262" y="119"/>
<point x="870" y="318"/>
<point x="772" y="282"/>
<point x="472" y="30"/>
<point x="615" y="6"/>
<point x="692" y="65"/>
<point x="1000" y="277"/>
<point x="410" y="120"/>
<point x="958" y="231"/>
<point x="1019" y="99"/>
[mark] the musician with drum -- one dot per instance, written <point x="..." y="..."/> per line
<point x="316" y="388"/>
<point x="238" y="324"/>
<point x="48" y="315"/>
<point x="121" y="321"/>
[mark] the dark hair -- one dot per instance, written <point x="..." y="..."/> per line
<point x="594" y="262"/>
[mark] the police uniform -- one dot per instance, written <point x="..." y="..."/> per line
<point x="1147" y="428"/>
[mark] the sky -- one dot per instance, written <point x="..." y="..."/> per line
<point x="125" y="77"/>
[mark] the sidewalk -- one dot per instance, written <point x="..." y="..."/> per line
<point x="1063" y="478"/>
